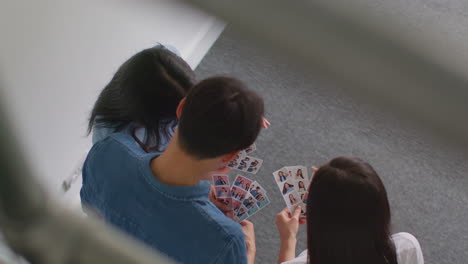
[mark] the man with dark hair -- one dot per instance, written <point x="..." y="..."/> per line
<point x="162" y="198"/>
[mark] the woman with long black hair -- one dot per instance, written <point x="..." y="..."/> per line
<point x="348" y="220"/>
<point x="142" y="98"/>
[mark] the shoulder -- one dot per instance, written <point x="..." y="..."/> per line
<point x="408" y="248"/>
<point x="405" y="240"/>
<point x="117" y="143"/>
<point x="226" y="226"/>
<point x="230" y="238"/>
<point x="118" y="154"/>
<point x="235" y="250"/>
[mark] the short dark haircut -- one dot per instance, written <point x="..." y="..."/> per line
<point x="145" y="92"/>
<point x="348" y="215"/>
<point x="220" y="115"/>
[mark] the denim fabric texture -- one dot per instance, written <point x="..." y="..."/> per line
<point x="178" y="221"/>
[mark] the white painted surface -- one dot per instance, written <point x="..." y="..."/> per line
<point x="56" y="56"/>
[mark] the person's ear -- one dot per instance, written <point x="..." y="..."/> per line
<point x="180" y="107"/>
<point x="230" y="156"/>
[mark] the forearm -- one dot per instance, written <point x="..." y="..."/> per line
<point x="251" y="251"/>
<point x="287" y="250"/>
<point x="251" y="257"/>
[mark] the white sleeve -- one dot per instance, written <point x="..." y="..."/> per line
<point x="408" y="249"/>
<point x="301" y="259"/>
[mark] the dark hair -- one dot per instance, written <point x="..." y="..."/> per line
<point x="284" y="187"/>
<point x="348" y="215"/>
<point x="145" y="92"/>
<point x="220" y="115"/>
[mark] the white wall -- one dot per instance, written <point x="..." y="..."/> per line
<point x="56" y="55"/>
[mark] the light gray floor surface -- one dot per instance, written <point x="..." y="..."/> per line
<point x="426" y="180"/>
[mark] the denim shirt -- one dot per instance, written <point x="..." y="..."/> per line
<point x="178" y="221"/>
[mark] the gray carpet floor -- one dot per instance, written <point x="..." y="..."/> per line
<point x="426" y="181"/>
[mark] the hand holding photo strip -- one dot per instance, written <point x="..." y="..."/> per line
<point x="297" y="202"/>
<point x="293" y="183"/>
<point x="303" y="216"/>
<point x="248" y="197"/>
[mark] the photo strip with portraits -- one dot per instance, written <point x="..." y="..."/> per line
<point x="245" y="196"/>
<point x="293" y="183"/>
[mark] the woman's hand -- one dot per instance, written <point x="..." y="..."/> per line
<point x="288" y="225"/>
<point x="265" y="123"/>
<point x="249" y="232"/>
<point x="227" y="210"/>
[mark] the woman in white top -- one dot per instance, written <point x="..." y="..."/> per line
<point x="348" y="220"/>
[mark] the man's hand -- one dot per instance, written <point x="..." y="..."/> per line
<point x="227" y="210"/>
<point x="249" y="232"/>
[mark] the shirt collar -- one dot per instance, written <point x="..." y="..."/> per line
<point x="195" y="192"/>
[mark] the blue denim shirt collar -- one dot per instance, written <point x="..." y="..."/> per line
<point x="196" y="192"/>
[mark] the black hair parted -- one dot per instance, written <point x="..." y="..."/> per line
<point x="348" y="215"/>
<point x="144" y="92"/>
<point x="221" y="115"/>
